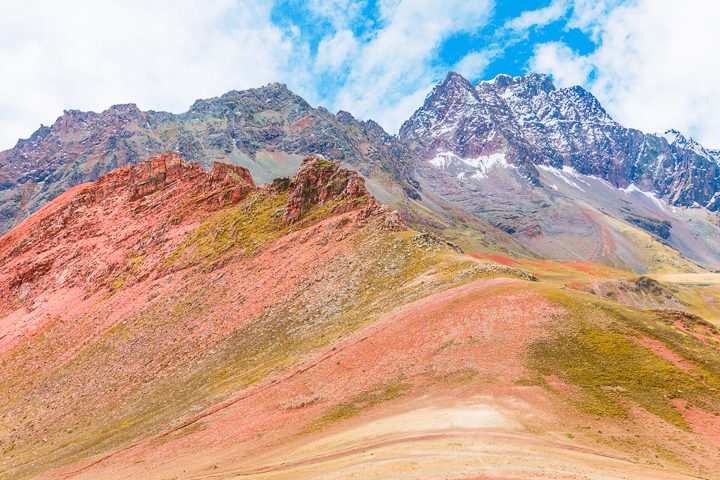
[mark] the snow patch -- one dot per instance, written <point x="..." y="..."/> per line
<point x="671" y="136"/>
<point x="568" y="175"/>
<point x="481" y="164"/>
<point x="442" y="160"/>
<point x="632" y="188"/>
<point x="506" y="94"/>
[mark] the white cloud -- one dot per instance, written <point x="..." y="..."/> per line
<point x="538" y="17"/>
<point x="474" y="64"/>
<point x="566" y="66"/>
<point x="335" y="50"/>
<point x="397" y="59"/>
<point x="161" y="54"/>
<point x="655" y="68"/>
<point x="588" y="15"/>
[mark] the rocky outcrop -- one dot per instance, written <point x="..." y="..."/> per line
<point x="320" y="181"/>
<point x="644" y="292"/>
<point x="228" y="182"/>
<point x="160" y="184"/>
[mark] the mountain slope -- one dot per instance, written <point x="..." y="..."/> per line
<point x="166" y="322"/>
<point x="161" y="289"/>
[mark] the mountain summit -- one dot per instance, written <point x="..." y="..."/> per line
<point x="530" y="122"/>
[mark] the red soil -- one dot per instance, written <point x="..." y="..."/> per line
<point x="701" y="421"/>
<point x="590" y="268"/>
<point x="659" y="349"/>
<point x="468" y="330"/>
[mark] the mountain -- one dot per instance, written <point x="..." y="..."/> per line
<point x="268" y="130"/>
<point x="532" y="123"/>
<point x="167" y="321"/>
<point x="550" y="167"/>
<point x="511" y="166"/>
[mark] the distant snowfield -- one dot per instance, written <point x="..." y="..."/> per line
<point x="653" y="198"/>
<point x="481" y="164"/>
<point x="568" y="174"/>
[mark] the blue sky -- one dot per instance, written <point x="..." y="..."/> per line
<point x="513" y="59"/>
<point x="651" y="63"/>
<point x="479" y="39"/>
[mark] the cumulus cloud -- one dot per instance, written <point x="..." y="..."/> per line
<point x="335" y="50"/>
<point x="589" y="15"/>
<point x="655" y="67"/>
<point x="161" y="54"/>
<point x="474" y="64"/>
<point x="567" y="67"/>
<point x="340" y="13"/>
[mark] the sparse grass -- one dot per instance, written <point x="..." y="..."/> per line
<point x="594" y="349"/>
<point x="374" y="396"/>
<point x="463" y="376"/>
<point x="249" y="225"/>
<point x="127" y="271"/>
<point x="379" y="271"/>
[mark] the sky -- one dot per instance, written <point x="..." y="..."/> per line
<point x="653" y="64"/>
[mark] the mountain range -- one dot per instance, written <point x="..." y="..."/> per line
<point x="563" y="170"/>
<point x="513" y="286"/>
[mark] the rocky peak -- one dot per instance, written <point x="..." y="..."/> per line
<point x="157" y="172"/>
<point x="577" y="104"/>
<point x="274" y="96"/>
<point x="38" y="135"/>
<point x="320" y="181"/>
<point x="72" y="119"/>
<point x="680" y="141"/>
<point x="455" y="80"/>
<point x="346" y="118"/>
<point x="453" y="87"/>
<point x="226" y="174"/>
<point x="125" y="111"/>
<point x="525" y="85"/>
<point x="450" y="99"/>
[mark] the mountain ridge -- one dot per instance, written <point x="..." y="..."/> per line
<point x="541" y="125"/>
<point x="435" y="170"/>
